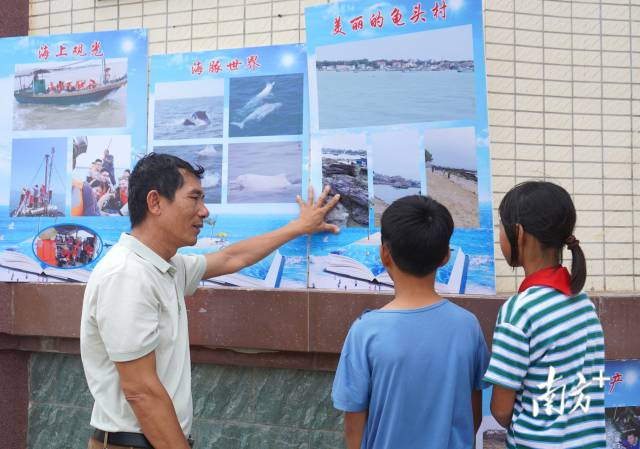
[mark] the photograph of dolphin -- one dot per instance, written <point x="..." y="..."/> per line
<point x="266" y="172"/>
<point x="188" y="110"/>
<point x="266" y="105"/>
<point x="208" y="156"/>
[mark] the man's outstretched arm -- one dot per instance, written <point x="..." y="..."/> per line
<point x="247" y="252"/>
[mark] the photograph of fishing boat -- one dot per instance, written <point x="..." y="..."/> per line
<point x="71" y="95"/>
<point x="37" y="177"/>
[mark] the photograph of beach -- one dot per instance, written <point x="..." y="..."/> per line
<point x="345" y="169"/>
<point x="206" y="155"/>
<point x="451" y="171"/>
<point x="396" y="168"/>
<point x="101" y="166"/>
<point x="188" y="110"/>
<point x="266" y="172"/>
<point x="70" y="95"/>
<point x="266" y="105"/>
<point x="409" y="78"/>
<point x="38" y="175"/>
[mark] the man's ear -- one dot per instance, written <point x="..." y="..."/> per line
<point x="153" y="202"/>
<point x="446" y="259"/>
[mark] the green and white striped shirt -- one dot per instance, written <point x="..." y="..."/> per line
<point x="539" y="329"/>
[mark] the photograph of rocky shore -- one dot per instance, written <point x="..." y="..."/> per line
<point x="345" y="170"/>
<point x="451" y="172"/>
<point x="396" y="168"/>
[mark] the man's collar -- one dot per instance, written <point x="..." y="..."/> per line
<point x="557" y="277"/>
<point x="142" y="250"/>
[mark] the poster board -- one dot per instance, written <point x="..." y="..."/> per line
<point x="242" y="115"/>
<point x="398" y="107"/>
<point x="68" y="102"/>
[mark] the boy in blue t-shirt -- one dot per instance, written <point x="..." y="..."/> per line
<point x="410" y="374"/>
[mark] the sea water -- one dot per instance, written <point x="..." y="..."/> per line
<point x="378" y="98"/>
<point x="389" y="194"/>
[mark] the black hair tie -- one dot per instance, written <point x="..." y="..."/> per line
<point x="572" y="242"/>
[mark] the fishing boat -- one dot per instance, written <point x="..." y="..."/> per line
<point x="33" y="87"/>
<point x="43" y="206"/>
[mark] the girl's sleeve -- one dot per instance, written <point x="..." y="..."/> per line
<point x="509" y="357"/>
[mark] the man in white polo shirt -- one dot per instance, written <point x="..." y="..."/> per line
<point x="133" y="336"/>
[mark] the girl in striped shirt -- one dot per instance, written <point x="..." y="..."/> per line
<point x="547" y="362"/>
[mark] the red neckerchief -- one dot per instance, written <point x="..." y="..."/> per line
<point x="557" y="277"/>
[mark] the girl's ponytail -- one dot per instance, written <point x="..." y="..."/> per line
<point x="578" y="265"/>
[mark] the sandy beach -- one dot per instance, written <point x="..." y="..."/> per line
<point x="459" y="195"/>
<point x="379" y="207"/>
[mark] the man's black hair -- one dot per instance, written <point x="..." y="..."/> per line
<point x="160" y="172"/>
<point x="545" y="211"/>
<point x="416" y="230"/>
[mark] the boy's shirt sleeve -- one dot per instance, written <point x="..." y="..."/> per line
<point x="482" y="362"/>
<point x="351" y="385"/>
<point x="509" y="356"/>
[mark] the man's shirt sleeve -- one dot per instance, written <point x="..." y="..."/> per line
<point x="351" y="386"/>
<point x="127" y="315"/>
<point x="194" y="267"/>
<point x="510" y="357"/>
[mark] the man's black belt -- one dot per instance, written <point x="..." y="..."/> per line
<point x="129" y="439"/>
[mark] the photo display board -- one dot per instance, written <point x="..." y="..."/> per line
<point x="72" y="125"/>
<point x="242" y="115"/>
<point x="398" y="106"/>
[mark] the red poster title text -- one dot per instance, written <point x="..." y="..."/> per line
<point x="378" y="20"/>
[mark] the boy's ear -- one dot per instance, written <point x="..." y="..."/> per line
<point x="446" y="259"/>
<point x="385" y="256"/>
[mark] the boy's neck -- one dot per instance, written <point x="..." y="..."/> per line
<point x="413" y="292"/>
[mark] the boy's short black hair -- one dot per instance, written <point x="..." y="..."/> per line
<point x="160" y="172"/>
<point x="416" y="230"/>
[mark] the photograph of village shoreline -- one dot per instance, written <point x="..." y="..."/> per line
<point x="412" y="78"/>
<point x="452" y="174"/>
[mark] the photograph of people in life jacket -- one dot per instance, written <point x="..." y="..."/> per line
<point x="67" y="246"/>
<point x="37" y="177"/>
<point x="100" y="176"/>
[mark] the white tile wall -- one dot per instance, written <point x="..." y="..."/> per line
<point x="563" y="86"/>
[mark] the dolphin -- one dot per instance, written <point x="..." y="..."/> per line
<point x="259" y="98"/>
<point x="260" y="113"/>
<point x="197" y="118"/>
